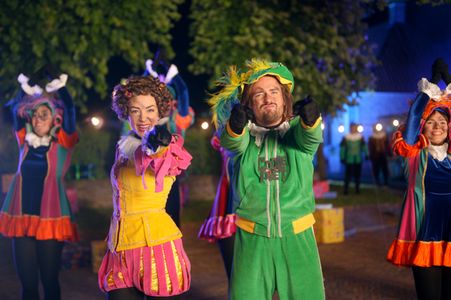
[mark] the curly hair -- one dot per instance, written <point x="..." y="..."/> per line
<point x="140" y="85"/>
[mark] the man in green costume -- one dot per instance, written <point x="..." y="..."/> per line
<point x="352" y="151"/>
<point x="274" y="143"/>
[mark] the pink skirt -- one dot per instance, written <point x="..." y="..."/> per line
<point x="161" y="270"/>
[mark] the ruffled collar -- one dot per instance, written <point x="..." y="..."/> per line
<point x="259" y="132"/>
<point x="128" y="144"/>
<point x="438" y="152"/>
<point x="35" y="141"/>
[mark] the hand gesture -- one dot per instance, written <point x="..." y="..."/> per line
<point x="158" y="136"/>
<point x="307" y="109"/>
<point x="239" y="117"/>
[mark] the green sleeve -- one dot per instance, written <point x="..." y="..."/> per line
<point x="236" y="143"/>
<point x="307" y="138"/>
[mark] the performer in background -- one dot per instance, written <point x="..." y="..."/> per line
<point x="36" y="212"/>
<point x="424" y="237"/>
<point x="181" y="117"/>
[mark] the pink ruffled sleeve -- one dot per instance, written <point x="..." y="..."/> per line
<point x="170" y="161"/>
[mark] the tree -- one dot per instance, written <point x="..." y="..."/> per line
<point x="80" y="37"/>
<point x="322" y="42"/>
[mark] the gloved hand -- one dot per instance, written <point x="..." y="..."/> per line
<point x="307" y="109"/>
<point x="439" y="67"/>
<point x="239" y="117"/>
<point x="445" y="74"/>
<point x="39" y="77"/>
<point x="158" y="136"/>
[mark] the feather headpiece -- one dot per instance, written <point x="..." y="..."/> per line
<point x="234" y="81"/>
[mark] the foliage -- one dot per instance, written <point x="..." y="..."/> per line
<point x="80" y="37"/>
<point x="9" y="150"/>
<point x="206" y="161"/>
<point x="322" y="42"/>
<point x="95" y="147"/>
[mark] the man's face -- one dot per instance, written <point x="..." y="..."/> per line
<point x="267" y="101"/>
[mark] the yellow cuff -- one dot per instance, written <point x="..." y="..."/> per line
<point x="303" y="223"/>
<point x="233" y="134"/>
<point x="318" y="122"/>
<point x="245" y="224"/>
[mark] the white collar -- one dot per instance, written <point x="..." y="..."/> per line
<point x="438" y="152"/>
<point x="35" y="141"/>
<point x="128" y="145"/>
<point x="259" y="132"/>
<point x="353" y="136"/>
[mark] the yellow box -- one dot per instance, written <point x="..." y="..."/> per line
<point x="329" y="216"/>
<point x="328" y="237"/>
<point x="329" y="225"/>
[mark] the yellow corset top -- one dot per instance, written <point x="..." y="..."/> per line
<point x="139" y="218"/>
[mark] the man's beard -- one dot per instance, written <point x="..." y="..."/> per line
<point x="269" y="118"/>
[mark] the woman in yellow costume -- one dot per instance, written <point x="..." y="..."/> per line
<point x="145" y="254"/>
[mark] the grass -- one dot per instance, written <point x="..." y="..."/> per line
<point x="367" y="196"/>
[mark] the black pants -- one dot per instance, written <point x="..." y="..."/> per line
<point x="173" y="203"/>
<point x="433" y="283"/>
<point x="226" y="248"/>
<point x="38" y="258"/>
<point x="133" y="294"/>
<point x="352" y="170"/>
<point x="379" y="165"/>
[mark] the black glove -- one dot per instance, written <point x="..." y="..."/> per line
<point x="239" y="117"/>
<point x="439" y="67"/>
<point x="307" y="109"/>
<point x="158" y="136"/>
<point x="38" y="77"/>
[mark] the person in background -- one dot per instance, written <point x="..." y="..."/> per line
<point x="379" y="151"/>
<point x="180" y="118"/>
<point x="352" y="152"/>
<point x="423" y="241"/>
<point x="145" y="256"/>
<point x="36" y="212"/>
<point x="220" y="225"/>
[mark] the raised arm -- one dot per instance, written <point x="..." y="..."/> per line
<point x="308" y="133"/>
<point x="427" y="90"/>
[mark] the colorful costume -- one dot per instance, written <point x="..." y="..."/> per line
<point x="220" y="223"/>
<point x="273" y="182"/>
<point x="36" y="204"/>
<point x="145" y="246"/>
<point x="36" y="212"/>
<point x="423" y="236"/>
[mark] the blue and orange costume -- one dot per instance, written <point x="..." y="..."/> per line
<point x="424" y="238"/>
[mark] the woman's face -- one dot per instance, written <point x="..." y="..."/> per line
<point x="436" y="128"/>
<point x="142" y="113"/>
<point x="42" y="120"/>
